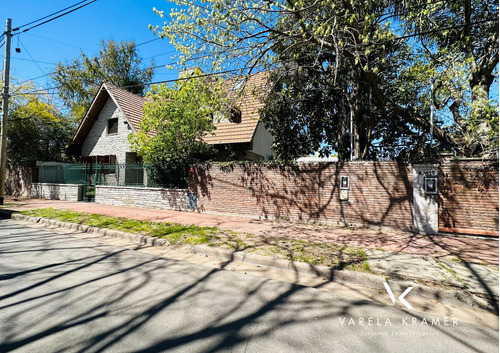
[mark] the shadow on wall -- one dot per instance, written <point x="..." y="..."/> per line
<point x="18" y="180"/>
<point x="380" y="194"/>
<point x="468" y="195"/>
<point x="176" y="200"/>
<point x="390" y="200"/>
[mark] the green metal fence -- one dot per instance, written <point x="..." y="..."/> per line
<point x="139" y="175"/>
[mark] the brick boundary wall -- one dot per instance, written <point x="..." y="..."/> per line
<point x="380" y="194"/>
<point x="67" y="192"/>
<point x="469" y="197"/>
<point x="164" y="199"/>
<point x="18" y="180"/>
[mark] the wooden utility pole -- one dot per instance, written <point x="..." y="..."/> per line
<point x="5" y="109"/>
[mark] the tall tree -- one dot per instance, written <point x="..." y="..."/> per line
<point x="118" y="63"/>
<point x="176" y="119"/>
<point x="37" y="131"/>
<point x="357" y="36"/>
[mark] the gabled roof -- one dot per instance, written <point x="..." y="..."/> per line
<point x="249" y="100"/>
<point x="130" y="105"/>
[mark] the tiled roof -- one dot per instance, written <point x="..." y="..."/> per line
<point x="130" y="104"/>
<point x="249" y="100"/>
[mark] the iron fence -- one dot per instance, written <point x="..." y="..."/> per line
<point x="139" y="175"/>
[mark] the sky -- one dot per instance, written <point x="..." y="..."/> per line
<point x="64" y="38"/>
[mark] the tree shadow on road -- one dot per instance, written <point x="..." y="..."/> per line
<point x="103" y="298"/>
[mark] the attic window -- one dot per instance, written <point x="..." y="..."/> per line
<point x="112" y="126"/>
<point x="238" y="85"/>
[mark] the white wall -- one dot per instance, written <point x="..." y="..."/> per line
<point x="262" y="142"/>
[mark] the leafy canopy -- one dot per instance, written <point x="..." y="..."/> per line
<point x="176" y="119"/>
<point x="452" y="43"/>
<point x="117" y="63"/>
<point x="37" y="131"/>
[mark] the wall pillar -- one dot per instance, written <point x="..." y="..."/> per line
<point x="425" y="199"/>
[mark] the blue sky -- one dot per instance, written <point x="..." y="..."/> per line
<point x="62" y="39"/>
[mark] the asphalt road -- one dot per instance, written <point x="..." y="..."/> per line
<point x="64" y="294"/>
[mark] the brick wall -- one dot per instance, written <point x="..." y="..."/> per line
<point x="18" y="180"/>
<point x="166" y="199"/>
<point x="380" y="193"/>
<point x="68" y="192"/>
<point x="469" y="197"/>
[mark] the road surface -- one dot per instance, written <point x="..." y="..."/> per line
<point x="65" y="294"/>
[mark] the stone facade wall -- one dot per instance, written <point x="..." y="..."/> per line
<point x="67" y="192"/>
<point x="380" y="193"/>
<point x="165" y="199"/>
<point x="100" y="143"/>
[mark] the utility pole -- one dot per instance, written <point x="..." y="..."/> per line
<point x="432" y="113"/>
<point x="352" y="136"/>
<point x="5" y="109"/>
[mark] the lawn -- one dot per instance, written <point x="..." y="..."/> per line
<point x="314" y="253"/>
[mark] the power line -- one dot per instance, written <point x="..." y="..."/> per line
<point x="43" y="90"/>
<point x="146" y="42"/>
<point x="34" y="78"/>
<point x="52" y="14"/>
<point x="23" y="59"/>
<point x="56" y="41"/>
<point x="446" y="28"/>
<point x="27" y="51"/>
<point x="54" y="18"/>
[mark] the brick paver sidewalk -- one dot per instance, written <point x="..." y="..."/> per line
<point x="463" y="248"/>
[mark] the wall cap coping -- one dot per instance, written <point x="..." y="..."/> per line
<point x="56" y="184"/>
<point x="138" y="188"/>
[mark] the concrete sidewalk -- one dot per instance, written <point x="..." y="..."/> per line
<point x="458" y="262"/>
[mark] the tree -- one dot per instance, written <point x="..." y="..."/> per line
<point x="464" y="58"/>
<point x="358" y="37"/>
<point x="117" y="63"/>
<point x="310" y="108"/>
<point x="37" y="131"/>
<point x="176" y="119"/>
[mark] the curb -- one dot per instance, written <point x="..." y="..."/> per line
<point x="455" y="297"/>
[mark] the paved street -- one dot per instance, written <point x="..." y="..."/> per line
<point x="64" y="294"/>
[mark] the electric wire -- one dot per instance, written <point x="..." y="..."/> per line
<point x="54" y="18"/>
<point x="52" y="14"/>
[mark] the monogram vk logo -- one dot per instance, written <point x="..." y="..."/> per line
<point x="401" y="297"/>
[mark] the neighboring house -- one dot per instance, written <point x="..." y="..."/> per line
<point x="102" y="136"/>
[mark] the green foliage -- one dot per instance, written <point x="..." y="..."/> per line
<point x="176" y="234"/>
<point x="37" y="131"/>
<point x="117" y="63"/>
<point x="176" y="119"/>
<point x="339" y="40"/>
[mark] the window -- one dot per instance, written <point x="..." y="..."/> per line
<point x="113" y="126"/>
<point x="238" y="85"/>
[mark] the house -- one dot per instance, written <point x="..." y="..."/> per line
<point x="102" y="136"/>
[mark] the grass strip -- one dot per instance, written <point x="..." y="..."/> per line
<point x="314" y="253"/>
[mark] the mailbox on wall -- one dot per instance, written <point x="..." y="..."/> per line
<point x="344" y="183"/>
<point x="431" y="185"/>
<point x="344" y="188"/>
